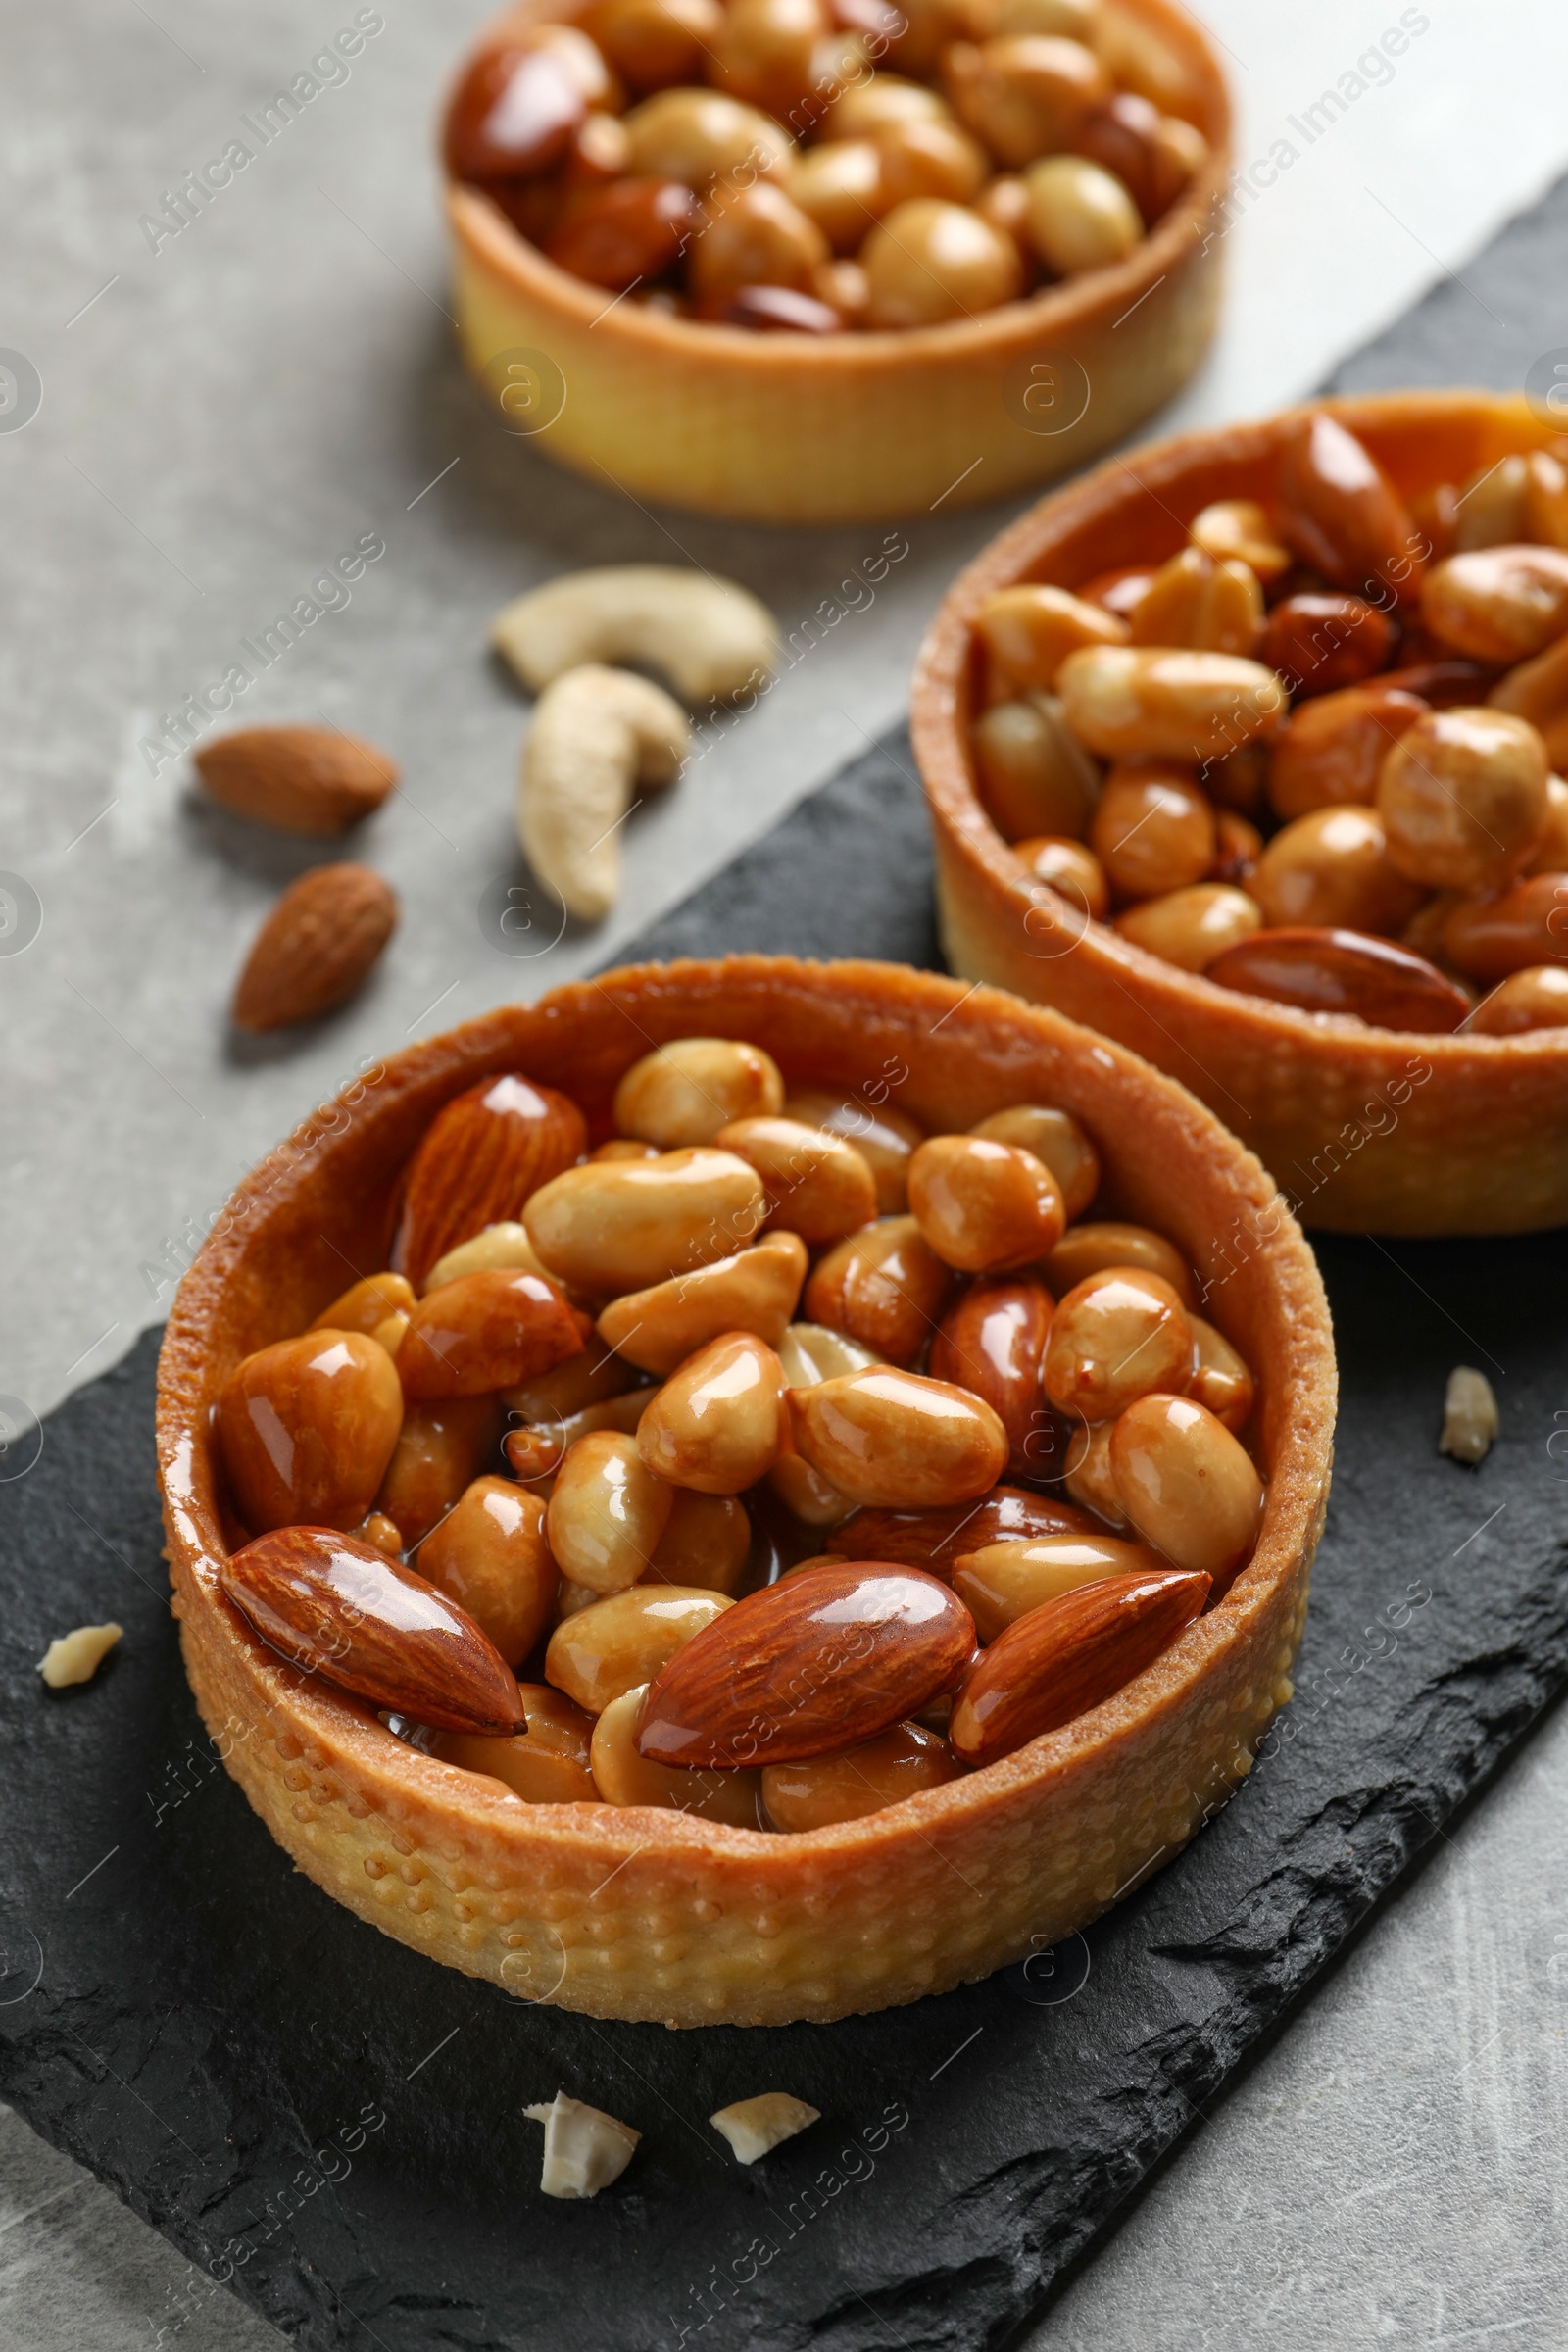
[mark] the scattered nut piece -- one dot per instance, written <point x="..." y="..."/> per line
<point x="76" y="1657"/>
<point x="754" y="2126"/>
<point x="1469" y="1415"/>
<point x="585" y="2149"/>
<point x="316" y="948"/>
<point x="314" y="780"/>
<point x="708" y="637"/>
<point x="596" y="734"/>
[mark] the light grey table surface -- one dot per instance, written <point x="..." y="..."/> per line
<point x="225" y="414"/>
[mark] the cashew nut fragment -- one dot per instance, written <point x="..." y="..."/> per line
<point x="755" y="2125"/>
<point x="1469" y="1415"/>
<point x="597" y="734"/>
<point x="75" y="1657"/>
<point x="709" y="638"/>
<point x="585" y="2149"/>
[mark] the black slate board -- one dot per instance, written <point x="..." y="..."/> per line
<point x="332" y="2124"/>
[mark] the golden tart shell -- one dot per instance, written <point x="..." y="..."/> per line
<point x="645" y="1914"/>
<point x="853" y="428"/>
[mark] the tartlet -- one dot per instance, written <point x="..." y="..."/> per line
<point x="853" y="427"/>
<point x="645" y="1914"/>
<point x="1365" y="1128"/>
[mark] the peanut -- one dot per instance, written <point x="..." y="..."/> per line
<point x="684" y="1093"/>
<point x="439" y="1450"/>
<point x="1220" y="1380"/>
<point x="1030" y="630"/>
<point x="840" y="187"/>
<point x="992" y="1343"/>
<point x="754" y="237"/>
<point x="607" y="1512"/>
<point x="1499" y="604"/>
<point x="1332" y="869"/>
<point x="1072" y="872"/>
<point x="755" y="1290"/>
<point x="930" y="261"/>
<point x="1322" y="644"/>
<point x="1026" y="94"/>
<point x="1536" y="997"/>
<point x="701" y="136"/>
<point x="1035" y="776"/>
<point x="1186" y="1484"/>
<point x="1087" y="1249"/>
<point x="1088" y="1478"/>
<point x="1154" y="830"/>
<point x="367" y="1304"/>
<point x="1115" y="1337"/>
<point x="1131" y="702"/>
<point x="497" y="1248"/>
<point x="654" y="44"/>
<point x="546" y="1765"/>
<point x="618" y="1643"/>
<point x="885" y="1287"/>
<point x="984" y="1206"/>
<point x="891" y="1437"/>
<point x="817" y="1185"/>
<point x="1463" y="799"/>
<point x="1191" y="927"/>
<point x="854" y="1782"/>
<point x="1523" y="925"/>
<point x="1239" y="529"/>
<point x="761" y="52"/>
<point x="486" y="1331"/>
<point x="884" y="1138"/>
<point x="718" y="1424"/>
<point x="624" y="1225"/>
<point x="1194" y="601"/>
<point x="929" y="159"/>
<point x="705" y="1544"/>
<point x="1056" y="1139"/>
<point x="307" y="1427"/>
<point x="1331" y="755"/>
<point x="1538" y="690"/>
<point x="489" y="1554"/>
<point x="622" y="1776"/>
<point x="1470" y="1419"/>
<point x="592" y="1378"/>
<point x="1003" y="1581"/>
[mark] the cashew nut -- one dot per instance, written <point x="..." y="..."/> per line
<point x="709" y="638"/>
<point x="596" y="735"/>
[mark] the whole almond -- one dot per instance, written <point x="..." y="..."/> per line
<point x="339" y="1609"/>
<point x="480" y="1159"/>
<point x="1064" y="1657"/>
<point x="824" y="1660"/>
<point x="314" y="780"/>
<point x="315" y="947"/>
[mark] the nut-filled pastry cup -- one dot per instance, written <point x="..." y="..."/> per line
<point x="648" y="1914"/>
